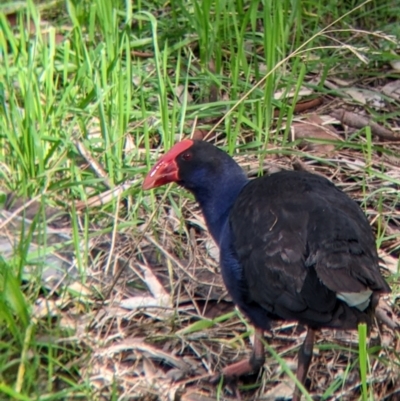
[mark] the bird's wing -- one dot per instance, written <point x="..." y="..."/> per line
<point x="302" y="244"/>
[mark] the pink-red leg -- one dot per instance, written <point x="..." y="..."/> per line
<point x="305" y="356"/>
<point x="246" y="366"/>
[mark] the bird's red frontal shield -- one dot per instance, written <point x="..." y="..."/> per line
<point x="166" y="169"/>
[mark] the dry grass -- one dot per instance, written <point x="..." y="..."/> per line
<point x="155" y="317"/>
<point x="139" y="309"/>
<point x="168" y="324"/>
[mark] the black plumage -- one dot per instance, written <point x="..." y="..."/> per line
<point x="292" y="245"/>
<point x="301" y="241"/>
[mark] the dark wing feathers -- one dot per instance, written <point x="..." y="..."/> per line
<point x="299" y="241"/>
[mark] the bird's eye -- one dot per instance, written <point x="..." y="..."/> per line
<point x="187" y="156"/>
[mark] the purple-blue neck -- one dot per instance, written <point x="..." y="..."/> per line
<point x="217" y="197"/>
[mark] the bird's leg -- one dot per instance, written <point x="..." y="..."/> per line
<point x="254" y="363"/>
<point x="305" y="354"/>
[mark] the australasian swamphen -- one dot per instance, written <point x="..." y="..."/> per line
<point x="292" y="245"/>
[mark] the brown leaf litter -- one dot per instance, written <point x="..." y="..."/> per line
<point x="160" y="321"/>
<point x="168" y="324"/>
<point x="142" y="344"/>
<point x="313" y="127"/>
<point x="358" y="121"/>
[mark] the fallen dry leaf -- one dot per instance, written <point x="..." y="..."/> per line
<point x="363" y="96"/>
<point x="390" y="262"/>
<point x="392" y="89"/>
<point x="139" y="344"/>
<point x="282" y="391"/>
<point x="313" y="128"/>
<point x="304" y="91"/>
<point x="160" y="297"/>
<point x="384" y="313"/>
<point x="358" y="121"/>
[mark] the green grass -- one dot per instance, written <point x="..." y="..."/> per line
<point x="363" y="357"/>
<point x="123" y="78"/>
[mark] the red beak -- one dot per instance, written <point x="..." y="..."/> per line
<point x="166" y="169"/>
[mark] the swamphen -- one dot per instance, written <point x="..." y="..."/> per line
<point x="292" y="245"/>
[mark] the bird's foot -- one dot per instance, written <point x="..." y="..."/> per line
<point x="233" y="371"/>
<point x="241" y="368"/>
